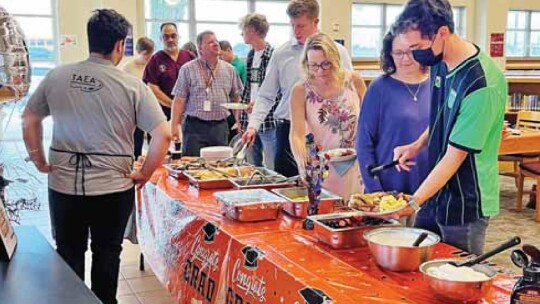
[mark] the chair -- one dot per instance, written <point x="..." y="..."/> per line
<point x="526" y="120"/>
<point x="532" y="170"/>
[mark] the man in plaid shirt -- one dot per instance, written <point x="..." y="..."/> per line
<point x="254" y="29"/>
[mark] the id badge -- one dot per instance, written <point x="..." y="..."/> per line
<point x="207" y="106"/>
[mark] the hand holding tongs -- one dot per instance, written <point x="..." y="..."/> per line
<point x="374" y="170"/>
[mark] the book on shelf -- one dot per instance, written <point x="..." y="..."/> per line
<point x="521" y="102"/>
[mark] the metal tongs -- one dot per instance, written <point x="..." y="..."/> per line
<point x="374" y="170"/>
<point x="258" y="173"/>
<point x="240" y="157"/>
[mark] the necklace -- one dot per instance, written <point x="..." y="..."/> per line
<point x="415" y="94"/>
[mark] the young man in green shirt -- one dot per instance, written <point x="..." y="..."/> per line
<point x="228" y="55"/>
<point x="467" y="111"/>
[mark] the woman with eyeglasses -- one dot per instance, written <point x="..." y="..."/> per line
<point x="326" y="103"/>
<point x="395" y="112"/>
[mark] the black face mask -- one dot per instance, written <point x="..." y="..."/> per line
<point x="426" y="57"/>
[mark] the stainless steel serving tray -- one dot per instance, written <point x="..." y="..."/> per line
<point x="268" y="182"/>
<point x="249" y="205"/>
<point x="299" y="209"/>
<point x="347" y="237"/>
<point x="216" y="183"/>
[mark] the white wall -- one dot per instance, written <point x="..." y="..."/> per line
<point x="73" y="15"/>
<point x="335" y="18"/>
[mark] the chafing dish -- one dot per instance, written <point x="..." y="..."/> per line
<point x="249" y="205"/>
<point x="297" y="201"/>
<point x="216" y="178"/>
<point x="346" y="229"/>
<point x="214" y="183"/>
<point x="176" y="170"/>
<point x="392" y="248"/>
<point x="458" y="291"/>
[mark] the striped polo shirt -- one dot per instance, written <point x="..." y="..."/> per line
<point x="467" y="112"/>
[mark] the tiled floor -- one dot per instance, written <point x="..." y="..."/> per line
<point x="136" y="287"/>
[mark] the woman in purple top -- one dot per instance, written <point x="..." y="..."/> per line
<point x="395" y="111"/>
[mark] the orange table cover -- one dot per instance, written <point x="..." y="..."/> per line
<point x="203" y="257"/>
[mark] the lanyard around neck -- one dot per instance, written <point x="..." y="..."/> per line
<point x="209" y="72"/>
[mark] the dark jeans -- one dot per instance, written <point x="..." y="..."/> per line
<point x="230" y="123"/>
<point x="198" y="133"/>
<point x="138" y="141"/>
<point x="284" y="162"/>
<point x="469" y="237"/>
<point x="105" y="217"/>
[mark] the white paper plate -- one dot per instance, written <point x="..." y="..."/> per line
<point x="235" y="106"/>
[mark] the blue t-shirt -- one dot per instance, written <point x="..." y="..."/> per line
<point x="390" y="117"/>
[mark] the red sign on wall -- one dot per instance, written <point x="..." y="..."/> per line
<point x="496" y="45"/>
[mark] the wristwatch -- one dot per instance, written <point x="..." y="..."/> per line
<point x="414" y="205"/>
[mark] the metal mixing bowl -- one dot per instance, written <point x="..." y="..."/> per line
<point x="458" y="291"/>
<point x="392" y="247"/>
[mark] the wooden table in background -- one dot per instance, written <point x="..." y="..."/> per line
<point x="526" y="142"/>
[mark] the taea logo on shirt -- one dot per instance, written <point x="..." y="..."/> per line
<point x="162" y="68"/>
<point x="85" y="83"/>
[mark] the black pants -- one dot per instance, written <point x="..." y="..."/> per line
<point x="284" y="162"/>
<point x="198" y="133"/>
<point x="105" y="217"/>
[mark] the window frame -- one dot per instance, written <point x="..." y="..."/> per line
<point x="55" y="32"/>
<point x="460" y="24"/>
<point x="527" y="40"/>
<point x="192" y="22"/>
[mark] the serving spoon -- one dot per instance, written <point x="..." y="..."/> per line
<point x="510" y="243"/>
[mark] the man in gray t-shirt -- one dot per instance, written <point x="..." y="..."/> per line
<point x="95" y="109"/>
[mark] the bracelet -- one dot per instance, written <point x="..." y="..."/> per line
<point x="33" y="151"/>
<point x="414" y="205"/>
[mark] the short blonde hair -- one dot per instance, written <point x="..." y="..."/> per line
<point x="256" y="21"/>
<point x="323" y="42"/>
<point x="297" y="8"/>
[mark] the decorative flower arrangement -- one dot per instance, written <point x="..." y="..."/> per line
<point x="316" y="171"/>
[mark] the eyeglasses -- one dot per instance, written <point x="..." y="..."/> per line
<point x="166" y="36"/>
<point x="325" y="65"/>
<point x="400" y="54"/>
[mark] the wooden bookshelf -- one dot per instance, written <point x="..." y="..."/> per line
<point x="519" y="81"/>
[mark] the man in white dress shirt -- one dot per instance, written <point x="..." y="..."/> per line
<point x="282" y="73"/>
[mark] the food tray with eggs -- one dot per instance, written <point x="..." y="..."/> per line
<point x="379" y="203"/>
<point x="298" y="202"/>
<point x="346" y="230"/>
<point x="249" y="205"/>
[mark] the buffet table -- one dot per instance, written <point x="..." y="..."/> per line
<point x="202" y="257"/>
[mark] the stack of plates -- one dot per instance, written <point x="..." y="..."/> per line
<point x="216" y="153"/>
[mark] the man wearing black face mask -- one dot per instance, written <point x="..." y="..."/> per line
<point x="468" y="102"/>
